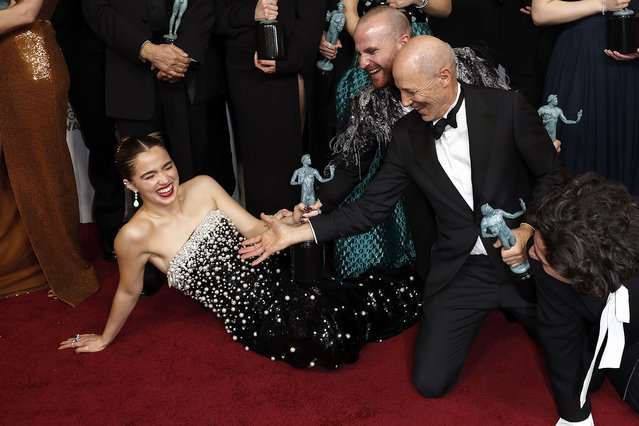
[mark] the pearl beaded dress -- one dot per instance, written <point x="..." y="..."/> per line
<point x="264" y="310"/>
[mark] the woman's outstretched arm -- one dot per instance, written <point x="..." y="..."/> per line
<point x="553" y="12"/>
<point x="131" y="260"/>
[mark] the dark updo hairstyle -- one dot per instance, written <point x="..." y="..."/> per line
<point x="591" y="230"/>
<point x="132" y="146"/>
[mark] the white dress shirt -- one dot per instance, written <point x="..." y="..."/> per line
<point x="453" y="153"/>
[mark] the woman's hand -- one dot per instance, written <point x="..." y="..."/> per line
<point x="621" y="56"/>
<point x="267" y="66"/>
<point x="310" y="211"/>
<point x="615" y="5"/>
<point x="329" y="50"/>
<point x="403" y="3"/>
<point x="299" y="215"/>
<point x="265" y="10"/>
<point x="84" y="343"/>
<point x="557" y="144"/>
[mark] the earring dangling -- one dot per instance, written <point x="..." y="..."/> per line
<point x="136" y="203"/>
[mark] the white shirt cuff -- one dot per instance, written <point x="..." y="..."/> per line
<point x="587" y="422"/>
<point x="313" y="231"/>
<point x="141" y="58"/>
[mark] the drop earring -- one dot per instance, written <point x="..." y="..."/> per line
<point x="136" y="203"/>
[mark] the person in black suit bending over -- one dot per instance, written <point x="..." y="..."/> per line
<point x="586" y="268"/>
<point x="496" y="151"/>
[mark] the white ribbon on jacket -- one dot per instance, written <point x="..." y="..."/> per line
<point x="615" y="313"/>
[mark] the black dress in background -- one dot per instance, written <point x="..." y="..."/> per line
<point x="266" y="106"/>
<point x="470" y="22"/>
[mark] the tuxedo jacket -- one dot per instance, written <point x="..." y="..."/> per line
<point x="512" y="157"/>
<point x="568" y="325"/>
<point x="125" y="25"/>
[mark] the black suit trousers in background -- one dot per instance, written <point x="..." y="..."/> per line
<point x="452" y="318"/>
<point x="84" y="55"/>
<point x="177" y="119"/>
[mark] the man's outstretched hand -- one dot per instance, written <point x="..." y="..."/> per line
<point x="278" y="236"/>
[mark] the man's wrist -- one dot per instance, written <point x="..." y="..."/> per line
<point x="145" y="51"/>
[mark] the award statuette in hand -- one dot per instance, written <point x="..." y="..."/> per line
<point x="551" y="113"/>
<point x="336" y="20"/>
<point x="307" y="257"/>
<point x="179" y="6"/>
<point x="270" y="39"/>
<point x="493" y="225"/>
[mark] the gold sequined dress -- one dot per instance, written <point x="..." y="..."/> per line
<point x="33" y="106"/>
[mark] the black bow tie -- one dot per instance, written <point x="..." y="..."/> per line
<point x="451" y="120"/>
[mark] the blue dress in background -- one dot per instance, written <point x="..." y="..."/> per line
<point x="606" y="140"/>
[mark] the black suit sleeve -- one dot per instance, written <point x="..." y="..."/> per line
<point x="563" y="337"/>
<point x="332" y="193"/>
<point x="535" y="147"/>
<point x="374" y="206"/>
<point x="232" y="18"/>
<point x="301" y="49"/>
<point x="114" y="29"/>
<point x="196" y="28"/>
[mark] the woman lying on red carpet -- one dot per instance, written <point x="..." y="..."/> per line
<point x="192" y="232"/>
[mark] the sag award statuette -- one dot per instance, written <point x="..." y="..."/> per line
<point x="270" y="39"/>
<point x="623" y="31"/>
<point x="493" y="225"/>
<point x="179" y="6"/>
<point x="308" y="257"/>
<point x="336" y="20"/>
<point x="551" y="113"/>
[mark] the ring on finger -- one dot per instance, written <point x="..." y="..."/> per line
<point x="73" y="344"/>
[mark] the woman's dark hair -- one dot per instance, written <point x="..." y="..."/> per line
<point x="591" y="230"/>
<point x="130" y="147"/>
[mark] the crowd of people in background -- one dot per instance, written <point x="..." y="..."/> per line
<point x="409" y="192"/>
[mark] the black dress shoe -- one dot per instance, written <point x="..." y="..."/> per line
<point x="107" y="237"/>
<point x="153" y="279"/>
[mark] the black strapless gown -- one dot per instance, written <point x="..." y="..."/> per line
<point x="265" y="311"/>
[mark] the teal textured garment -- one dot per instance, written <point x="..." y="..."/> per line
<point x="355" y="78"/>
<point x="388" y="245"/>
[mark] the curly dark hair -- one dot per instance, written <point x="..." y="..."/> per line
<point x="591" y="230"/>
<point x="130" y="147"/>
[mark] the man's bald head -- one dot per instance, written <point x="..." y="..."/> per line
<point x="393" y="20"/>
<point x="428" y="55"/>
<point x="379" y="35"/>
<point x="425" y="73"/>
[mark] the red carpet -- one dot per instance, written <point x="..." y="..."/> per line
<point x="173" y="363"/>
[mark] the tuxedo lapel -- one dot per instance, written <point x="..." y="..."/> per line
<point x="426" y="155"/>
<point x="481" y="134"/>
